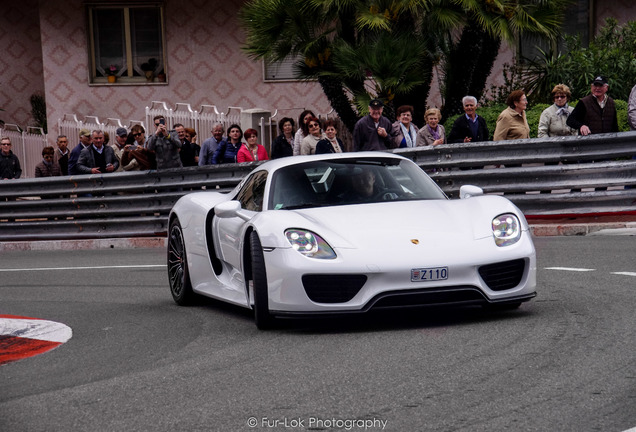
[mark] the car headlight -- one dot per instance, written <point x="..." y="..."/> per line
<point x="506" y="229"/>
<point x="309" y="244"/>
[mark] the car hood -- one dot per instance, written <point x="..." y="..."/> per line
<point x="395" y="224"/>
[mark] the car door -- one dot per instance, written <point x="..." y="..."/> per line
<point x="230" y="230"/>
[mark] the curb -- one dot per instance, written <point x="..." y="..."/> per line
<point x="56" y="245"/>
<point x="581" y="229"/>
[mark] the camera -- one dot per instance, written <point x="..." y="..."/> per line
<point x="162" y="121"/>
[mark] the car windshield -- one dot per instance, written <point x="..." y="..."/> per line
<point x="350" y="181"/>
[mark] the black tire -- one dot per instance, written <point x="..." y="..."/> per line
<point x="263" y="318"/>
<point x="178" y="276"/>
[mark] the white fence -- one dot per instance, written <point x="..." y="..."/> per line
<point x="28" y="144"/>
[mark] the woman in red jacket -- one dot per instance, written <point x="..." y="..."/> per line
<point x="252" y="151"/>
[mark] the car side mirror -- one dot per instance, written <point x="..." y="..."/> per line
<point x="468" y="191"/>
<point x="230" y="209"/>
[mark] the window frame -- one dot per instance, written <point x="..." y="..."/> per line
<point x="128" y="77"/>
<point x="290" y="61"/>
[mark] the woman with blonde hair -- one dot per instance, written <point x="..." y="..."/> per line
<point x="432" y="133"/>
<point x="553" y="119"/>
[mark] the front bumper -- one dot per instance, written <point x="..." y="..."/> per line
<point x="387" y="279"/>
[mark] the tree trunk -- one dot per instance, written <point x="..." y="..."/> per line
<point x="468" y="66"/>
<point x="339" y="101"/>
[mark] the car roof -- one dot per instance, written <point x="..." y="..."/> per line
<point x="276" y="164"/>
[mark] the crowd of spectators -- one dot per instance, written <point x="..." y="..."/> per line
<point x="132" y="150"/>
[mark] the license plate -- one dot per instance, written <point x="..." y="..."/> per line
<point x="429" y="274"/>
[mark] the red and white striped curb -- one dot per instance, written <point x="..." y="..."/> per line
<point x="22" y="337"/>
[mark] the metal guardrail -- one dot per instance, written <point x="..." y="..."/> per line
<point x="136" y="204"/>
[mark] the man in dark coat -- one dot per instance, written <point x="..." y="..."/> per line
<point x="9" y="163"/>
<point x="374" y="131"/>
<point x="596" y="112"/>
<point x="97" y="158"/>
<point x="469" y="127"/>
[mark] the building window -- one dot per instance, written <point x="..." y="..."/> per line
<point x="126" y="43"/>
<point x="280" y="70"/>
<point x="577" y="21"/>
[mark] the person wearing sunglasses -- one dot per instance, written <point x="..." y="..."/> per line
<point x="136" y="156"/>
<point x="309" y="143"/>
<point x="48" y="167"/>
<point x="9" y="163"/>
<point x="553" y="119"/>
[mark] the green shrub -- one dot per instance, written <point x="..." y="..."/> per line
<point x="612" y="53"/>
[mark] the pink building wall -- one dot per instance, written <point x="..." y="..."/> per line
<point x="20" y="60"/>
<point x="622" y="10"/>
<point x="205" y="66"/>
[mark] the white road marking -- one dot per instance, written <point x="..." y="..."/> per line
<point x="626" y="274"/>
<point x="35" y="329"/>
<point x="84" y="268"/>
<point x="573" y="269"/>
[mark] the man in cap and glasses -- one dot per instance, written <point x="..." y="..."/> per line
<point x="374" y="131"/>
<point x="85" y="142"/>
<point x="596" y="112"/>
<point x="121" y="134"/>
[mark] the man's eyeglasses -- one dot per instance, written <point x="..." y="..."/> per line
<point x="137" y="134"/>
<point x="7" y="144"/>
<point x="48" y="156"/>
<point x="560" y="97"/>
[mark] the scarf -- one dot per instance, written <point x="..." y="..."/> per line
<point x="335" y="145"/>
<point x="563" y="110"/>
<point x="410" y="135"/>
<point x="434" y="132"/>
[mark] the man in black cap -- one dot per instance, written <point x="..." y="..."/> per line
<point x="73" y="157"/>
<point x="373" y="132"/>
<point x="118" y="146"/>
<point x="595" y="113"/>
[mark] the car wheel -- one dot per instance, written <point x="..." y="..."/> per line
<point x="263" y="318"/>
<point x="178" y="277"/>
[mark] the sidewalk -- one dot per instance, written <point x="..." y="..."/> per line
<point x="607" y="225"/>
<point x="623" y="224"/>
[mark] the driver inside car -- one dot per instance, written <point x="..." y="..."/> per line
<point x="365" y="188"/>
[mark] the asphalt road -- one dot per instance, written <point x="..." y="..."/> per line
<point x="566" y="361"/>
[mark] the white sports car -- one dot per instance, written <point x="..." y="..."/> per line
<point x="347" y="233"/>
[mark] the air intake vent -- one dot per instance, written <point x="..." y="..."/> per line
<point x="337" y="288"/>
<point x="504" y="275"/>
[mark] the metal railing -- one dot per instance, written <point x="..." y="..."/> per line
<point x="548" y="177"/>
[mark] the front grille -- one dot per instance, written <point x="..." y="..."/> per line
<point x="443" y="296"/>
<point x="504" y="275"/>
<point x="337" y="288"/>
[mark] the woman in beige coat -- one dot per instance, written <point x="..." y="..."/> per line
<point x="512" y="123"/>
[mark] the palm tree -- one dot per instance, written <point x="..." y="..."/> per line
<point x="358" y="49"/>
<point x="470" y="59"/>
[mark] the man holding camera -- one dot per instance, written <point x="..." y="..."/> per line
<point x="166" y="145"/>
